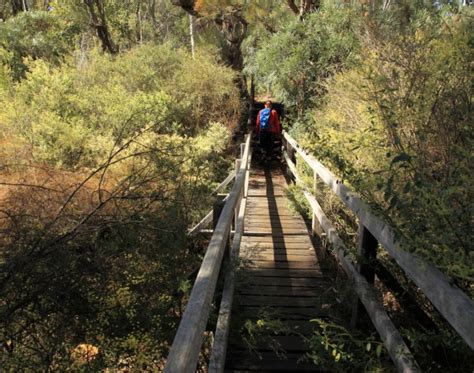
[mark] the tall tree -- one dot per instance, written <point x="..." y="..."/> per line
<point x="232" y="26"/>
<point x="19" y="6"/>
<point x="304" y="6"/>
<point x="98" y="20"/>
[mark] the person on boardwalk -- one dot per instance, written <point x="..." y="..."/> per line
<point x="268" y="127"/>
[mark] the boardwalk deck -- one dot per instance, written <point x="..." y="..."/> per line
<point x="282" y="276"/>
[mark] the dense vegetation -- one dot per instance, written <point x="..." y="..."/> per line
<point x="114" y="128"/>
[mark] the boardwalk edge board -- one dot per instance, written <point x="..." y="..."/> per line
<point x="184" y="352"/>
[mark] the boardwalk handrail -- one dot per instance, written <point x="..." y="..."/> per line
<point x="455" y="306"/>
<point x="396" y="347"/>
<point x="184" y="353"/>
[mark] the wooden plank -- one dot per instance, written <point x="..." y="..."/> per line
<point x="219" y="346"/>
<point x="284" y="314"/>
<point x="276" y="219"/>
<point x="294" y="273"/>
<point x="289" y="291"/>
<point x="278" y="246"/>
<point x="281" y="281"/>
<point x="267" y="361"/>
<point x="186" y="347"/>
<point x="277" y="301"/>
<point x="456" y="307"/>
<point x="287" y="343"/>
<point x="270" y="264"/>
<point x="271" y="256"/>
<point x="277" y="232"/>
<point x="226" y="182"/>
<point x="279" y="238"/>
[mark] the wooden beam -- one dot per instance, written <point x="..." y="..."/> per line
<point x="219" y="346"/>
<point x="393" y="341"/>
<point x="455" y="306"/>
<point x="184" y="353"/>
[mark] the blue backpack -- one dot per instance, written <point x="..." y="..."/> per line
<point x="265" y="119"/>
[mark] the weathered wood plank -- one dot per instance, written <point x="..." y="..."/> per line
<point x="219" y="346"/>
<point x="270" y="264"/>
<point x="294" y="273"/>
<point x="278" y="301"/>
<point x="288" y="343"/>
<point x="267" y="361"/>
<point x="279" y="238"/>
<point x="278" y="246"/>
<point x="282" y="281"/>
<point x="284" y="257"/>
<point x="293" y="291"/>
<point x="184" y="352"/>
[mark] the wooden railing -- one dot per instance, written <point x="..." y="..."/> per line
<point x="455" y="306"/>
<point x="184" y="353"/>
<point x="209" y="216"/>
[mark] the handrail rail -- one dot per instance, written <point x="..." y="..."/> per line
<point x="184" y="353"/>
<point x="396" y="347"/>
<point x="455" y="306"/>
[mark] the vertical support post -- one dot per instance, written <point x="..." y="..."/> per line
<point x="242" y="150"/>
<point x="366" y="256"/>
<point x="217" y="208"/>
<point x="238" y="162"/>
<point x="316" y="229"/>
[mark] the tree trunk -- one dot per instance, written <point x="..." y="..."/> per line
<point x="17" y="6"/>
<point x="99" y="22"/>
<point x="305" y="7"/>
<point x="139" y="24"/>
<point x="191" y="34"/>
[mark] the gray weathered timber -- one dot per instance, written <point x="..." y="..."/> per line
<point x="204" y="222"/>
<point x="455" y="306"/>
<point x="219" y="346"/>
<point x="393" y="341"/>
<point x="226" y="182"/>
<point x="184" y="353"/>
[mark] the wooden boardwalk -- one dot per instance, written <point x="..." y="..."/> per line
<point x="282" y="282"/>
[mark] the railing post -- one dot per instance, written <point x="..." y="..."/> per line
<point x="366" y="256"/>
<point x="217" y="208"/>
<point x="315" y="226"/>
<point x="238" y="163"/>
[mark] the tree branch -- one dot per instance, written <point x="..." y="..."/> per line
<point x="293" y="6"/>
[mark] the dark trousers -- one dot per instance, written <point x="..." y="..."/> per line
<point x="266" y="142"/>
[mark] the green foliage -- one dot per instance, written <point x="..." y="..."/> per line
<point x="34" y="35"/>
<point x="261" y="331"/>
<point x="72" y="116"/>
<point x="334" y="348"/>
<point x="295" y="62"/>
<point x="108" y="161"/>
<point x="397" y="127"/>
<point x="439" y="350"/>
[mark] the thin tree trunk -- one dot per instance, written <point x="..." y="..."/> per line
<point x="191" y="34"/>
<point x="139" y="24"/>
<point x="99" y="22"/>
<point x="17" y="6"/>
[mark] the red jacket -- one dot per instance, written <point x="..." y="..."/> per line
<point x="274" y="122"/>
